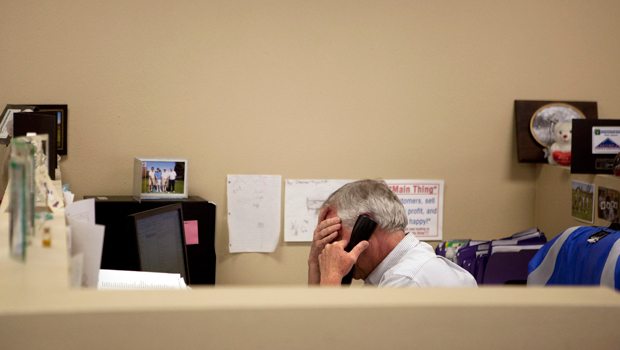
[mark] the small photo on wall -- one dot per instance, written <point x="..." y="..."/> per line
<point x="160" y="178"/>
<point x="583" y="202"/>
<point x="608" y="204"/>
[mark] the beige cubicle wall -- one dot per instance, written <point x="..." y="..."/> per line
<point x="340" y="89"/>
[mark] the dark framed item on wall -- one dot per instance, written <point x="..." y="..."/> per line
<point x="594" y="146"/>
<point x="535" y="121"/>
<point x="40" y="123"/>
<point x="6" y="121"/>
<point x="61" y="119"/>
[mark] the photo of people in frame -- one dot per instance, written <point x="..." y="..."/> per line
<point x="608" y="204"/>
<point x="583" y="201"/>
<point x="163" y="177"/>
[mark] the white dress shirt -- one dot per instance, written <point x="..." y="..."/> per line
<point x="414" y="264"/>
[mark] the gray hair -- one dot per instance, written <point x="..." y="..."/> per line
<point x="369" y="196"/>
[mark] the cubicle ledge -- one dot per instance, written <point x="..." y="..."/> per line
<point x="311" y="318"/>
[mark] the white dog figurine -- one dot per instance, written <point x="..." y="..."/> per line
<point x="559" y="152"/>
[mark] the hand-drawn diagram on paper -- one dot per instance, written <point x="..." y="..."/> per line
<point x="254" y="207"/>
<point x="302" y="203"/>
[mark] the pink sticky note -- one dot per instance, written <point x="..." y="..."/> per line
<point x="191" y="232"/>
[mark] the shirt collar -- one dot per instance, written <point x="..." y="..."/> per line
<point x="407" y="243"/>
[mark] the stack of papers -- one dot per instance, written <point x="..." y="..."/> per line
<point x="85" y="243"/>
<point x="118" y="279"/>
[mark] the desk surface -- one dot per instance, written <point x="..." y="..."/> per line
<point x="45" y="267"/>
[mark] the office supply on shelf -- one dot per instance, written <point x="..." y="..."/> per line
<point x="52" y="196"/>
<point x="87" y="239"/>
<point x="507" y="264"/>
<point x="500" y="261"/>
<point x="160" y="237"/>
<point x="22" y="196"/>
<point x="68" y="197"/>
<point x="466" y="256"/>
<point x="507" y="258"/>
<point x="83" y="210"/>
<point x="41" y="145"/>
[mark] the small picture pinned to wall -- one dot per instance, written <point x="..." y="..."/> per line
<point x="608" y="204"/>
<point x="583" y="202"/>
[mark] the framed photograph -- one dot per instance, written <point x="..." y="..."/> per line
<point x="61" y="126"/>
<point x="608" y="204"/>
<point x="582" y="208"/>
<point x="160" y="178"/>
<point x="6" y="124"/>
<point x="535" y="121"/>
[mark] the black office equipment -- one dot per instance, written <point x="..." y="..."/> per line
<point x="362" y="230"/>
<point x="40" y="123"/>
<point x="583" y="159"/>
<point x="119" y="245"/>
<point x="160" y="238"/>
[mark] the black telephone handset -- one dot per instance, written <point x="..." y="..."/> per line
<point x="362" y="230"/>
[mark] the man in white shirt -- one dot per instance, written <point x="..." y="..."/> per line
<point x="151" y="179"/>
<point x="158" y="180"/>
<point x="164" y="180"/>
<point x="390" y="258"/>
<point x="171" y="179"/>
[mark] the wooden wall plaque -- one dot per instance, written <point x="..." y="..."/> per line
<point x="533" y="122"/>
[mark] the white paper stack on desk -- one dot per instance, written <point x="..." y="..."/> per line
<point x="118" y="279"/>
<point x="86" y="243"/>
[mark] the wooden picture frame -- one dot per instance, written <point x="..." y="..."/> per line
<point x="530" y="144"/>
<point x="61" y="132"/>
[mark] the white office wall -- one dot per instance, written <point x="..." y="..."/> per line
<point x="310" y="89"/>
